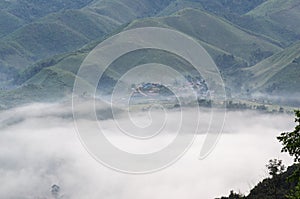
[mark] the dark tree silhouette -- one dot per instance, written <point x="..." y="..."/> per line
<point x="291" y="144"/>
<point x="275" y="167"/>
<point x="55" y="191"/>
<point x="291" y="140"/>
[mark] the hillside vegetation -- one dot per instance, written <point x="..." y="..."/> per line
<point x="284" y="12"/>
<point x="215" y="31"/>
<point x="278" y="19"/>
<point x="277" y="73"/>
<point x="41" y="29"/>
<point x="254" y="51"/>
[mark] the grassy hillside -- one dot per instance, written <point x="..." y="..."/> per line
<point x="218" y="7"/>
<point x="47" y="28"/>
<point x="127" y="10"/>
<point x="30" y="10"/>
<point x="257" y="20"/>
<point x="225" y="53"/>
<point x="60" y="39"/>
<point x="216" y="32"/>
<point x="58" y="33"/>
<point x="275" y="6"/>
<point x="263" y="25"/>
<point x="247" y="59"/>
<point x="180" y="5"/>
<point x="16" y="13"/>
<point x="224" y="41"/>
<point x="277" y="73"/>
<point x="8" y="23"/>
<point x="283" y="13"/>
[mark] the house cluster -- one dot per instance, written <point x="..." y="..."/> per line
<point x="199" y="85"/>
<point x="184" y="88"/>
<point x="150" y="89"/>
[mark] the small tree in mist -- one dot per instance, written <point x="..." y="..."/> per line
<point x="55" y="191"/>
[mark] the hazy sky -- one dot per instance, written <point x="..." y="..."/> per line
<point x="38" y="148"/>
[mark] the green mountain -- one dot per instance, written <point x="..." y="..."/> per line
<point x="284" y="12"/>
<point x="9" y="23"/>
<point x="217" y="7"/>
<point x="231" y="47"/>
<point x="177" y="5"/>
<point x="277" y="74"/>
<point x="16" y="13"/>
<point x="251" y="15"/>
<point x="128" y="10"/>
<point x="278" y="19"/>
<point x="41" y="30"/>
<point x="29" y="10"/>
<point x="219" y="33"/>
<point x="41" y="57"/>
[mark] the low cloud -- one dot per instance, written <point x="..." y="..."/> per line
<point x="41" y="148"/>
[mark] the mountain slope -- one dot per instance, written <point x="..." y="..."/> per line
<point x="276" y="19"/>
<point x="230" y="47"/>
<point x="285" y="13"/>
<point x="29" y="10"/>
<point x="248" y="14"/>
<point x="218" y="7"/>
<point x="278" y="73"/>
<point x="63" y="28"/>
<point x="125" y="11"/>
<point x="9" y="23"/>
<point x="216" y="32"/>
<point x="180" y="5"/>
<point x="210" y="37"/>
<point x="16" y="13"/>
<point x="233" y="49"/>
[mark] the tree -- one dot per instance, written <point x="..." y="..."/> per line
<point x="275" y="167"/>
<point x="55" y="191"/>
<point x="295" y="193"/>
<point x="234" y="195"/>
<point x="281" y="110"/>
<point x="291" y="144"/>
<point x="291" y="140"/>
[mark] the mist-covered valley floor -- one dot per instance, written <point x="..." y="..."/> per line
<point x="240" y="54"/>
<point x="39" y="147"/>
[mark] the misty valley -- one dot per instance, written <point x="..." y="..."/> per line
<point x="40" y="148"/>
<point x="140" y="99"/>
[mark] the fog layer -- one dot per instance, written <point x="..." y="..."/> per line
<point x="39" y="147"/>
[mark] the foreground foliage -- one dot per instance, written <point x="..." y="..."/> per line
<point x="281" y="185"/>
